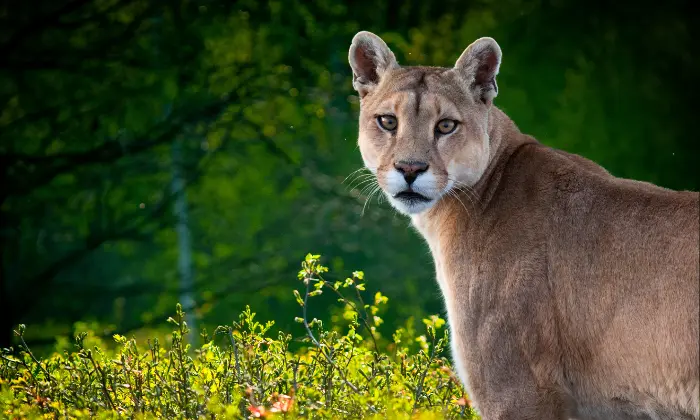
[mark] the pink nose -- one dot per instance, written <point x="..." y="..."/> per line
<point x="410" y="169"/>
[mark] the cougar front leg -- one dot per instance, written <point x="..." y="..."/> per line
<point x="524" y="402"/>
<point x="504" y="386"/>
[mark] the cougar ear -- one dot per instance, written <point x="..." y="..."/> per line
<point x="369" y="58"/>
<point x="478" y="65"/>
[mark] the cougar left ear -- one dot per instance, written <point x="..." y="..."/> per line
<point x="478" y="65"/>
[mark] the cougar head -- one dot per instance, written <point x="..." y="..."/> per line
<point x="423" y="130"/>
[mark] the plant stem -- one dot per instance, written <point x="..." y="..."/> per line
<point x="313" y="338"/>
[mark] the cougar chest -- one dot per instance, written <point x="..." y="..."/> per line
<point x="449" y="281"/>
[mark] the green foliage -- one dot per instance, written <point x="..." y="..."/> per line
<point x="95" y="93"/>
<point x="346" y="371"/>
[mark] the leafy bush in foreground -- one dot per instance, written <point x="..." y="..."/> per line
<point x="342" y="372"/>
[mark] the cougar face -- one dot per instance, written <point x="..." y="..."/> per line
<point x="423" y="130"/>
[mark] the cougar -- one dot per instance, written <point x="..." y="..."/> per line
<point x="570" y="293"/>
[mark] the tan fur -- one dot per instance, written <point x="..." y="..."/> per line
<point x="570" y="293"/>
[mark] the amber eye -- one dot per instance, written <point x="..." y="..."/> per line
<point x="446" y="126"/>
<point x="387" y="122"/>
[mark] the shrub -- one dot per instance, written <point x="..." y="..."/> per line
<point x="345" y="371"/>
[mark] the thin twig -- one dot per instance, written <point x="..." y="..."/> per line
<point x="313" y="338"/>
<point x="103" y="380"/>
<point x="26" y="348"/>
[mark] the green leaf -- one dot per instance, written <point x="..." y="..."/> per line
<point x="297" y="296"/>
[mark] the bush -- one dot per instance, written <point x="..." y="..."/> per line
<point x="345" y="371"/>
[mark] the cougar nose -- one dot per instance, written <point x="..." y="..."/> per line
<point x="410" y="169"/>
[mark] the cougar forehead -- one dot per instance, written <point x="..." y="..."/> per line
<point x="419" y="98"/>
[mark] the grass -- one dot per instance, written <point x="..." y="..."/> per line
<point x="346" y="371"/>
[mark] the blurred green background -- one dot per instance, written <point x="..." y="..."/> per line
<point x="195" y="151"/>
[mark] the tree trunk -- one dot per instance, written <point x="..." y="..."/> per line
<point x="6" y="312"/>
<point x="184" y="245"/>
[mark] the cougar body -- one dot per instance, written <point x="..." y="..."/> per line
<point x="570" y="293"/>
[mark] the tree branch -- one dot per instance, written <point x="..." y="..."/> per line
<point x="50" y="166"/>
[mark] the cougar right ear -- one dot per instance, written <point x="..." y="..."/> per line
<point x="478" y="66"/>
<point x="370" y="58"/>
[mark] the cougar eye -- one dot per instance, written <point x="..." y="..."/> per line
<point x="446" y="126"/>
<point x="387" y="122"/>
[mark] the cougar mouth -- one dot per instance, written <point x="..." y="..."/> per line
<point x="411" y="196"/>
